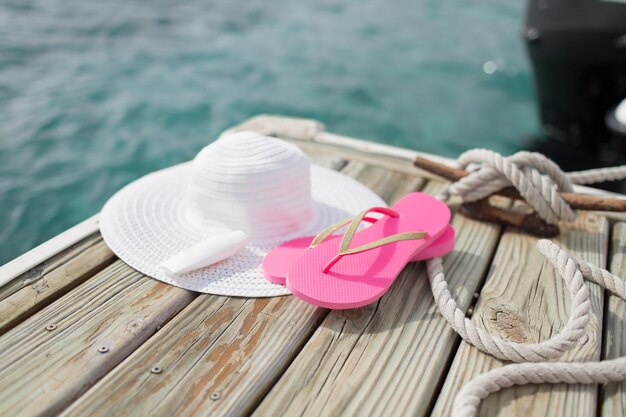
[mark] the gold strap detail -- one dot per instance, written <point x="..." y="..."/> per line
<point x="324" y="234"/>
<point x="385" y="241"/>
<point x="344" y="248"/>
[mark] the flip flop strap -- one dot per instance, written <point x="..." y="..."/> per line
<point x="325" y="234"/>
<point x="344" y="248"/>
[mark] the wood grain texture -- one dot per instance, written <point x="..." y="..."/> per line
<point x="326" y="160"/>
<point x="35" y="274"/>
<point x="220" y="355"/>
<point x="47" y="250"/>
<point x="613" y="395"/>
<point x="42" y="371"/>
<point x="385" y="359"/>
<point x="524" y="301"/>
<point x="389" y="185"/>
<point x="53" y="284"/>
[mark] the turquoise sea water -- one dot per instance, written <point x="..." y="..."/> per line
<point x="94" y="94"/>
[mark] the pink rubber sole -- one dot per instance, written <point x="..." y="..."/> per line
<point x="279" y="260"/>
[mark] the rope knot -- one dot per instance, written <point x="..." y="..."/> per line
<point x="537" y="178"/>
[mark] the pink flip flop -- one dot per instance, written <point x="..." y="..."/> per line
<point x="278" y="261"/>
<point x="359" y="268"/>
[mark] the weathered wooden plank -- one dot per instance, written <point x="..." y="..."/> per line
<point x="42" y="371"/>
<point x="613" y="395"/>
<point x="219" y="355"/>
<point x="389" y="185"/>
<point x="53" y="284"/>
<point x="47" y="250"/>
<point x="324" y="159"/>
<point x="525" y="301"/>
<point x="387" y="358"/>
<point x="35" y="274"/>
<point x="394" y="164"/>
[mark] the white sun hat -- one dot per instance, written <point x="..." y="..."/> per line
<point x="263" y="186"/>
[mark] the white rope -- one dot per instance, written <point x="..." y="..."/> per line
<point x="512" y="351"/>
<point x="468" y="400"/>
<point x="537" y="178"/>
<point x="572" y="271"/>
<point x="539" y="181"/>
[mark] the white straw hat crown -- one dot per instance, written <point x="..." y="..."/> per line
<point x="254" y="183"/>
<point x="260" y="185"/>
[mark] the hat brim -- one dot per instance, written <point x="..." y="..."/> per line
<point x="145" y="223"/>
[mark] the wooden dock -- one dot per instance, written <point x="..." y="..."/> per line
<point x="83" y="334"/>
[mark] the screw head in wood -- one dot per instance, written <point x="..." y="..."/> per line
<point x="50" y="327"/>
<point x="216" y="396"/>
<point x="103" y="349"/>
<point x="156" y="370"/>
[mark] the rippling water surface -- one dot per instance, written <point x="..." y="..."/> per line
<point x="94" y="94"/>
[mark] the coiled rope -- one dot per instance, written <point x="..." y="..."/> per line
<point x="539" y="180"/>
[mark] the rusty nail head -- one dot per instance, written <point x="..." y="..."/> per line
<point x="51" y="327"/>
<point x="156" y="370"/>
<point x="103" y="349"/>
<point x="216" y="396"/>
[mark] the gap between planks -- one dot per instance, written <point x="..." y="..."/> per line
<point x="612" y="401"/>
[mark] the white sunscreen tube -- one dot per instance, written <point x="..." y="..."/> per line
<point x="205" y="253"/>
